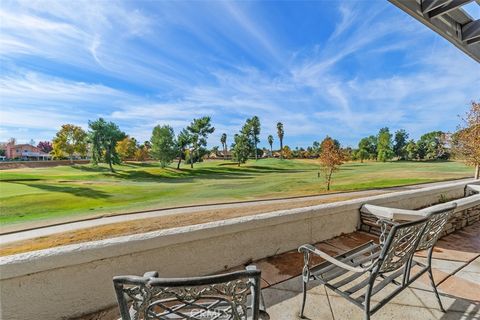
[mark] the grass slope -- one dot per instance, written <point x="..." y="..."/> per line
<point x="45" y="193"/>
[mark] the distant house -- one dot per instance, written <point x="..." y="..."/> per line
<point x="266" y="153"/>
<point x="218" y="155"/>
<point x="211" y="155"/>
<point x="23" y="151"/>
<point x="225" y="155"/>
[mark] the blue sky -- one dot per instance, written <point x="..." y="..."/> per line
<point x="342" y="68"/>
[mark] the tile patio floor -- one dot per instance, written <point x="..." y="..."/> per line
<point x="456" y="271"/>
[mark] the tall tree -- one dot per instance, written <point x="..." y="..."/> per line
<point x="255" y="133"/>
<point x="126" y="148"/>
<point x="432" y="146"/>
<point x="223" y="140"/>
<point x="251" y="130"/>
<point x="466" y="141"/>
<point x="70" y="140"/>
<point x="361" y="154"/>
<point x="399" y="144"/>
<point x="104" y="137"/>
<point x="411" y="150"/>
<point x="199" y="130"/>
<point x="364" y="149"/>
<point x="183" y="141"/>
<point x="270" y="142"/>
<point x="330" y="159"/>
<point x="384" y="145"/>
<point x="280" y="134"/>
<point x="241" y="148"/>
<point x="45" y="146"/>
<point x="373" y="147"/>
<point x="164" y="146"/>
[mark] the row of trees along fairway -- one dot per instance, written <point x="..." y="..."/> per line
<point x="107" y="143"/>
<point x="385" y="146"/>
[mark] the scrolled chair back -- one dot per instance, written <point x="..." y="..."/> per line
<point x="437" y="219"/>
<point x="400" y="244"/>
<point x="219" y="297"/>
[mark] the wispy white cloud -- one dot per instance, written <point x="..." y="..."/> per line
<point x="170" y="65"/>
<point x="251" y="27"/>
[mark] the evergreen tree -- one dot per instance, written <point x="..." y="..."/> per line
<point x="164" y="146"/>
<point x="400" y="142"/>
<point x="384" y="145"/>
<point x="241" y="148"/>
<point x="104" y="137"/>
<point x="183" y="141"/>
<point x="199" y="130"/>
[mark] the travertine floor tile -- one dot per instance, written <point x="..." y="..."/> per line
<point x="461" y="288"/>
<point x="285" y="305"/>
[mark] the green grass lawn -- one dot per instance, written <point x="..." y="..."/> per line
<point x="45" y="193"/>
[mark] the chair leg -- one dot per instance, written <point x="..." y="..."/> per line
<point x="430" y="275"/>
<point x="368" y="292"/>
<point x="304" y="299"/>
<point x="367" y="315"/>
<point x="367" y="309"/>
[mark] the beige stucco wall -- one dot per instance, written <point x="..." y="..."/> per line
<point x="72" y="280"/>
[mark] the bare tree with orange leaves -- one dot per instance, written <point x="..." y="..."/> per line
<point x="331" y="158"/>
<point x="466" y="141"/>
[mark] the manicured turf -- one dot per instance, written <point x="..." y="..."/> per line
<point x="82" y="190"/>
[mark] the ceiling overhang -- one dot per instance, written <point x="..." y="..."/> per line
<point x="448" y="19"/>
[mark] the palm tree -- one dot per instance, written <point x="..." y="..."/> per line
<point x="280" y="134"/>
<point x="270" y="142"/>
<point x="223" y="140"/>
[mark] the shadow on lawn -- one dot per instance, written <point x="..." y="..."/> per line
<point x="185" y="175"/>
<point x="179" y="176"/>
<point x="76" y="191"/>
<point x="90" y="168"/>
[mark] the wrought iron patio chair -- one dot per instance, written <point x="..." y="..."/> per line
<point x="231" y="296"/>
<point x="438" y="217"/>
<point x="354" y="274"/>
<point x="366" y="270"/>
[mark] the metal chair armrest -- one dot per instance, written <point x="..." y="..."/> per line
<point x="263" y="315"/>
<point x="307" y="248"/>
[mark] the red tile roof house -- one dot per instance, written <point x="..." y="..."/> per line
<point x="24" y="152"/>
